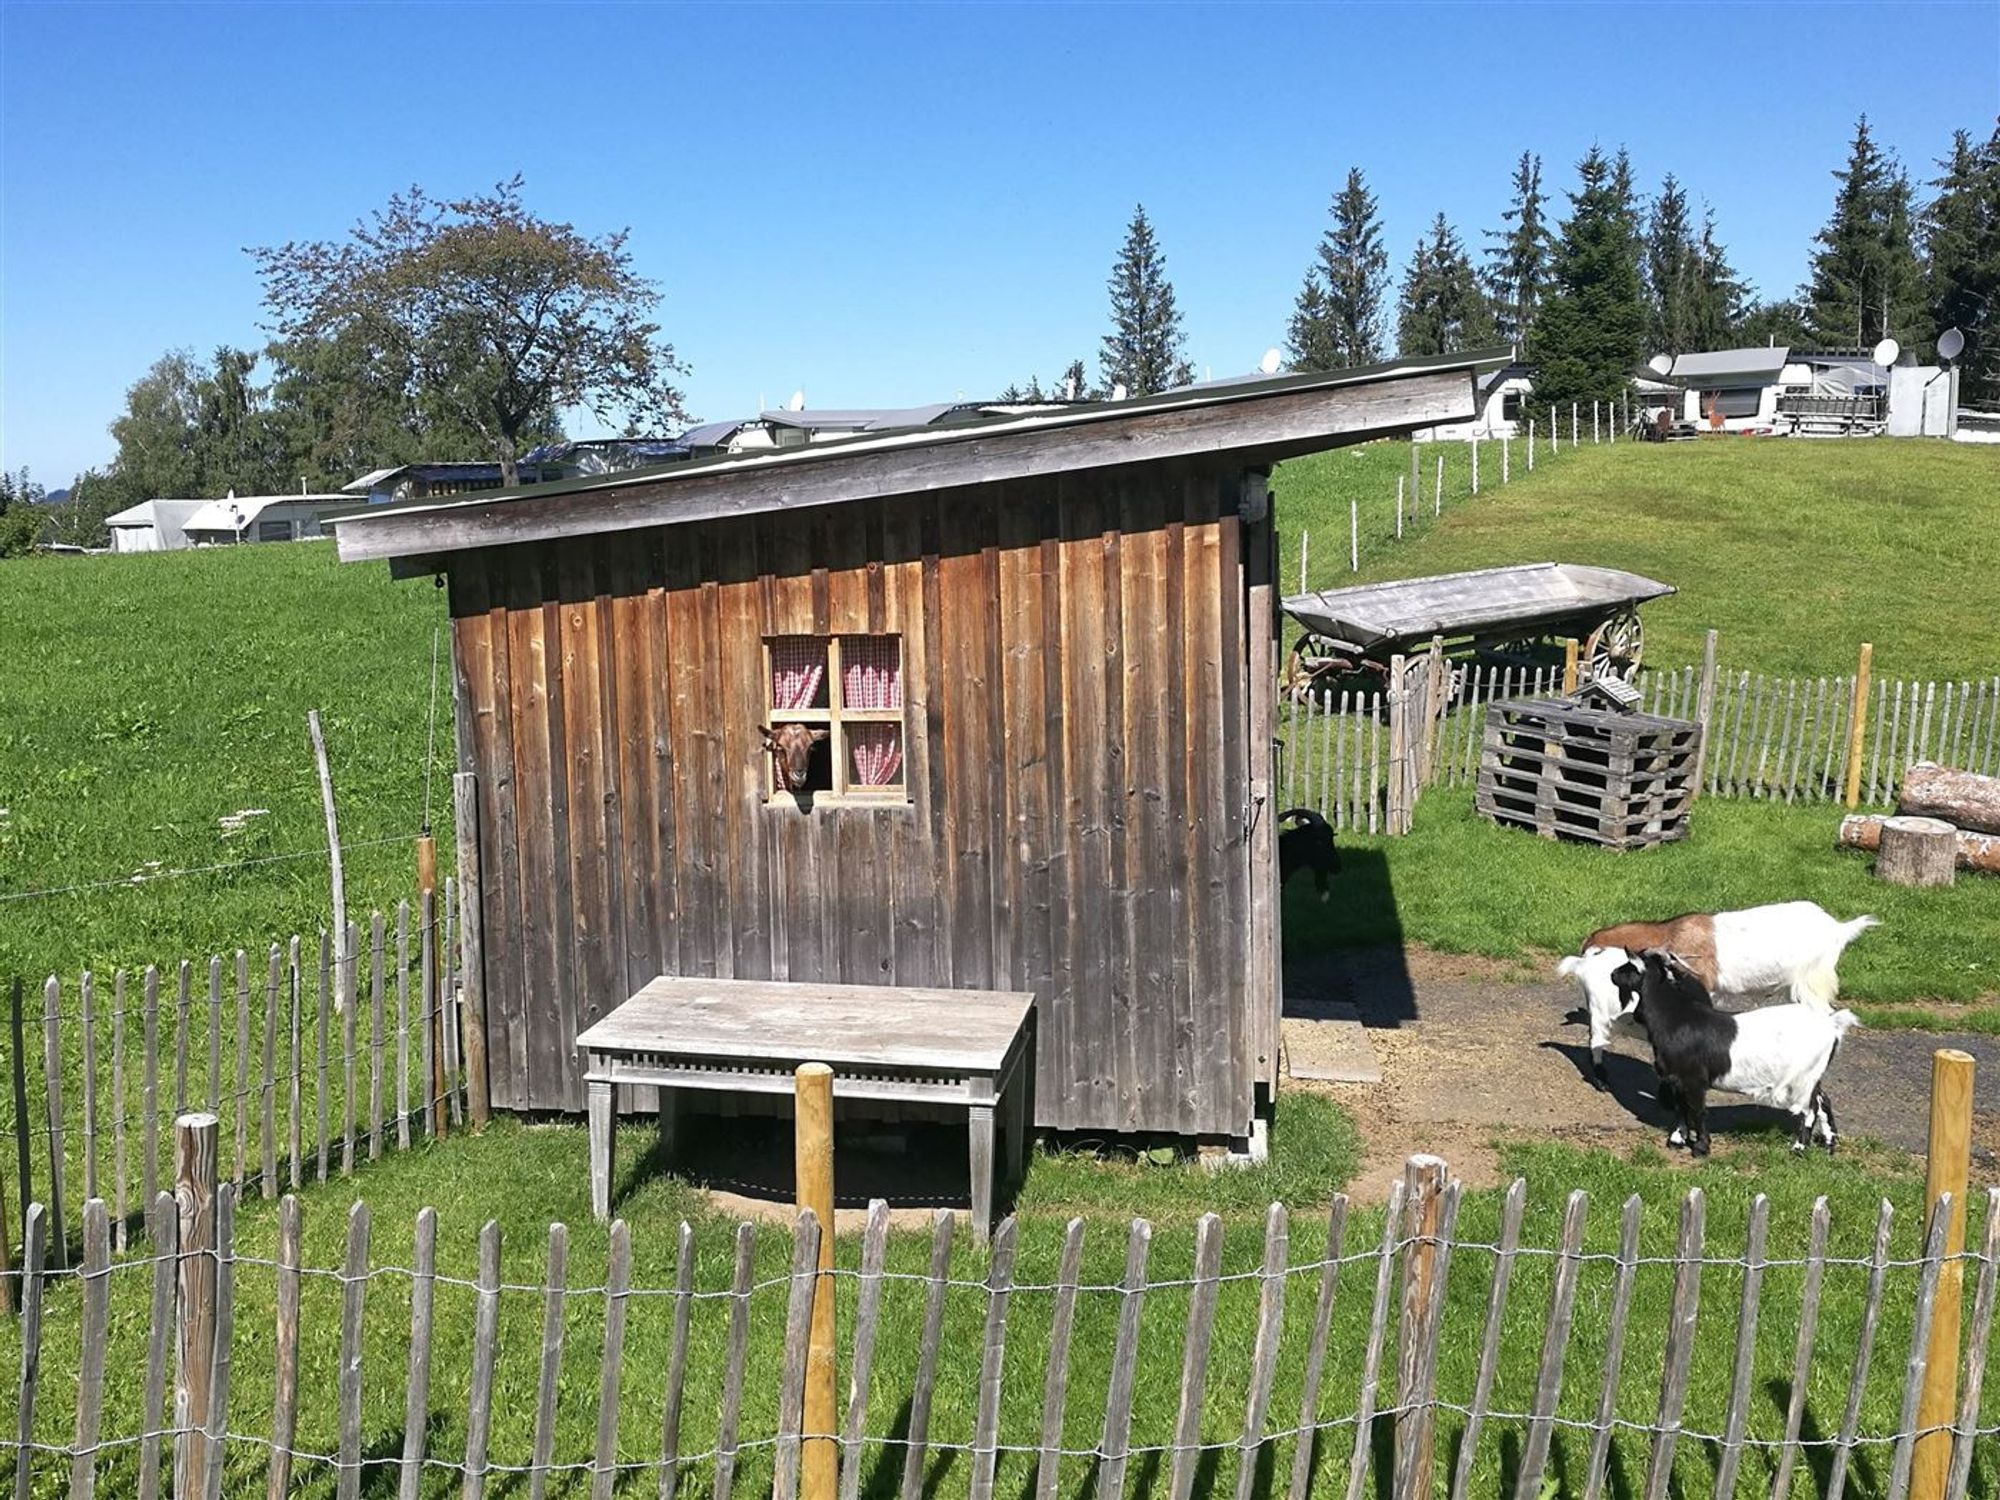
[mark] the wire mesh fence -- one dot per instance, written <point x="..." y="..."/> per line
<point x="1430" y="1347"/>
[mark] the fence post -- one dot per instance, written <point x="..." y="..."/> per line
<point x="1569" y="664"/>
<point x="197" y="1155"/>
<point x="1531" y="445"/>
<point x="1423" y="1198"/>
<point x="1704" y="707"/>
<point x="1354" y="536"/>
<point x="1399" y="507"/>
<point x="1859" y="724"/>
<point x="1416" y="473"/>
<point x="1305" y="546"/>
<point x="433" y="1017"/>
<point x="1949" y="1159"/>
<point x="1398" y="783"/>
<point x="1506" y="447"/>
<point x="1475" y="463"/>
<point x="812" y="1089"/>
<point x="472" y="941"/>
<point x="332" y="826"/>
<point x="1437" y="493"/>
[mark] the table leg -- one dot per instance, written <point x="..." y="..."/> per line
<point x="600" y="1148"/>
<point x="1015" y="1103"/>
<point x="982" y="1171"/>
<point x="670" y="1119"/>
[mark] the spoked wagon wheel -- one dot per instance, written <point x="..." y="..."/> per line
<point x="1614" y="648"/>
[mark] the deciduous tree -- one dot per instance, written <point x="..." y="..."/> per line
<point x="498" y="316"/>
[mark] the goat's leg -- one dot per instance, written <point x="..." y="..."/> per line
<point x="1600" y="1033"/>
<point x="1319" y="877"/>
<point x="1829" y="1131"/>
<point x="1807" y="1117"/>
<point x="1695" y="1112"/>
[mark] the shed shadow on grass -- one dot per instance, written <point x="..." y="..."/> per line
<point x="1348" y="949"/>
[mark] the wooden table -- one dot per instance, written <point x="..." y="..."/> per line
<point x="956" y="1047"/>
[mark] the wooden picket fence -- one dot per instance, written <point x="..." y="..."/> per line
<point x="1768" y="737"/>
<point x="1296" y="1374"/>
<point x="311" y="1061"/>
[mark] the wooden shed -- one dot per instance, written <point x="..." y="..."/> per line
<point x="1041" y="650"/>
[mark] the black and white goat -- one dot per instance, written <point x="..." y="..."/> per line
<point x="1791" y="948"/>
<point x="1776" y="1056"/>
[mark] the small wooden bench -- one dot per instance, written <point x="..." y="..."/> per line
<point x="954" y="1047"/>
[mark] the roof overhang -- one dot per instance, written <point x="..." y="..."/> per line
<point x="1254" y="423"/>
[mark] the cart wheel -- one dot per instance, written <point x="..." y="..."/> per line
<point x="1614" y="648"/>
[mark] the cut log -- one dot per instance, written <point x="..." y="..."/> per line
<point x="1917" y="852"/>
<point x="1976" y="851"/>
<point x="1963" y="798"/>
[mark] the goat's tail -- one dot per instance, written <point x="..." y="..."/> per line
<point x="1569" y="966"/>
<point x="1844" y="1021"/>
<point x="1817" y="984"/>
<point x="1304" y="815"/>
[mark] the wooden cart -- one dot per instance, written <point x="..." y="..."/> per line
<point x="1514" y="615"/>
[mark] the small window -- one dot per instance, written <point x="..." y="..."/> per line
<point x="274" y="531"/>
<point x="844" y="694"/>
<point x="1736" y="401"/>
<point x="1510" y="406"/>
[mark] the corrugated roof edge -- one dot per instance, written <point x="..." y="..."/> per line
<point x="1215" y="394"/>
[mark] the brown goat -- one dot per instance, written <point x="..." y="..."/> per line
<point x="791" y="747"/>
<point x="1689" y="938"/>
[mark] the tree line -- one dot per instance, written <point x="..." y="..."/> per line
<point x="1622" y="276"/>
<point x="463" y="328"/>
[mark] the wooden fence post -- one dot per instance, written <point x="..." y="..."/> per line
<point x="1858" y="724"/>
<point x="1354" y="536"/>
<point x="1399" y="507"/>
<point x="1305" y="550"/>
<point x="1423" y="1198"/>
<point x="472" y="941"/>
<point x="1704" y="707"/>
<point x="197" y="1157"/>
<point x="432" y="1018"/>
<point x="812" y="1092"/>
<point x="1569" y="664"/>
<point x="52" y="1078"/>
<point x="1531" y="446"/>
<point x="332" y="826"/>
<point x="1949" y="1160"/>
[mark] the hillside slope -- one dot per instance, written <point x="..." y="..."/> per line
<point x="1795" y="551"/>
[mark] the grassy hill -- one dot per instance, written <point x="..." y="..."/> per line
<point x="149" y="698"/>
<point x="1795" y="551"/>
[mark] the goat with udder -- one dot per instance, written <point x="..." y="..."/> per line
<point x="1776" y="1056"/>
<point x="1792" y="947"/>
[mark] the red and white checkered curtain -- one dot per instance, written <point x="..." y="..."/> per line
<point x="798" y="667"/>
<point x="871" y="672"/>
<point x="875" y="754"/>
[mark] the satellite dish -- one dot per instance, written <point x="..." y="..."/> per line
<point x="1951" y="344"/>
<point x="1118" y="392"/>
<point x="797" y="403"/>
<point x="1661" y="364"/>
<point x="1885" y="352"/>
<point x="1268" y="365"/>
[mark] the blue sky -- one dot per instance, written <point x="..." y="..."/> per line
<point x="881" y="203"/>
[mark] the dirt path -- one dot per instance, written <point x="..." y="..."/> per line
<point x="1469" y="1052"/>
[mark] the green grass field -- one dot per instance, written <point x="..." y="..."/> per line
<point x="150" y="697"/>
<point x="1795" y="551"/>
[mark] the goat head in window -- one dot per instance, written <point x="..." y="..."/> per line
<point x="791" y="747"/>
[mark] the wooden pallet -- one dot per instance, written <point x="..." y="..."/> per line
<point x="1623" y="780"/>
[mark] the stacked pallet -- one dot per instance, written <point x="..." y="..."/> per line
<point x="1623" y="780"/>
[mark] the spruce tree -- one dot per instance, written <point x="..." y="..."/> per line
<point x="1442" y="309"/>
<point x="1720" y="297"/>
<point x="1961" y="232"/>
<point x="1587" y="336"/>
<point x="1671" y="282"/>
<point x="1865" y="284"/>
<point x="1337" y="320"/>
<point x="1143" y="351"/>
<point x="1517" y="260"/>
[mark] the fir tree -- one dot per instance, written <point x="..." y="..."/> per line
<point x="1720" y="297"/>
<point x="1337" y="320"/>
<point x="1442" y="309"/>
<point x="1961" y="232"/>
<point x="1588" y="334"/>
<point x="1143" y="351"/>
<point x="1865" y="285"/>
<point x="1517" y="260"/>
<point x="1671" y="273"/>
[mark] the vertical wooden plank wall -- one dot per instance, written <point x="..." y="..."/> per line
<point x="1079" y="716"/>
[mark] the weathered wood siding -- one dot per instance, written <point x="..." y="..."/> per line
<point x="1077" y="655"/>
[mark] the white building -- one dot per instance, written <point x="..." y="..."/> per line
<point x="261" y="518"/>
<point x="152" y="526"/>
<point x="1501" y="392"/>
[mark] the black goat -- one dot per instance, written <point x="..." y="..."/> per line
<point x="1777" y="1055"/>
<point x="1307" y="846"/>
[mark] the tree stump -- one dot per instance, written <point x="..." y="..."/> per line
<point x="1917" y="851"/>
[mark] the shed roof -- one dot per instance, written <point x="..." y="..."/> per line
<point x="1257" y="421"/>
